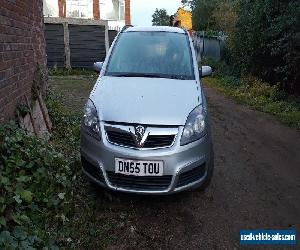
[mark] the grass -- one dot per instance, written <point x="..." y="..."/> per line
<point x="72" y="72"/>
<point x="258" y="95"/>
<point x="90" y="214"/>
<point x="75" y="90"/>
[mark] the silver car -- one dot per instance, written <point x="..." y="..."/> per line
<point x="145" y="127"/>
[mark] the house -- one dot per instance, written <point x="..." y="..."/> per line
<point x="115" y="12"/>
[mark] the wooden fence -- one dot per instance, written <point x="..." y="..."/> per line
<point x="75" y="43"/>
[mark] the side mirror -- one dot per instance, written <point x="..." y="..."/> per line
<point x="206" y="71"/>
<point x="98" y="66"/>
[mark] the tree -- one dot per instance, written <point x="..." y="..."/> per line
<point x="263" y="36"/>
<point x="225" y="16"/>
<point x="203" y="11"/>
<point x="160" y="18"/>
<point x="189" y="3"/>
<point x="266" y="41"/>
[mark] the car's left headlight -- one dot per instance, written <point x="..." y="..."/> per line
<point x="90" y="119"/>
<point x="194" y="128"/>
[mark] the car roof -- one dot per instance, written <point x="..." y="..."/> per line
<point x="155" y="28"/>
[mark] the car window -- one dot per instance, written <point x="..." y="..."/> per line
<point x="157" y="54"/>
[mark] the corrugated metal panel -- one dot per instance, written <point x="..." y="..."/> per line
<point x="55" y="50"/>
<point x="87" y="45"/>
<point x="213" y="47"/>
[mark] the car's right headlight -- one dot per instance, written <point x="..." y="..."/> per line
<point x="194" y="128"/>
<point x="90" y="119"/>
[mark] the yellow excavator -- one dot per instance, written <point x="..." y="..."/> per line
<point x="182" y="19"/>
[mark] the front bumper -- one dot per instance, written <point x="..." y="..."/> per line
<point x="180" y="162"/>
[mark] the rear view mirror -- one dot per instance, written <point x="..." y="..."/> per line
<point x="206" y="71"/>
<point x="98" y="66"/>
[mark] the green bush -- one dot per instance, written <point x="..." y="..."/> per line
<point x="203" y="14"/>
<point x="265" y="41"/>
<point x="263" y="36"/>
<point x="36" y="180"/>
<point x="223" y="70"/>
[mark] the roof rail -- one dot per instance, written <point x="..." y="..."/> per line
<point x="125" y="28"/>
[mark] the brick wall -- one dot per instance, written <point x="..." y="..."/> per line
<point x="22" y="49"/>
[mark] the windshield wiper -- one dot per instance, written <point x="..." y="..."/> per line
<point x="130" y="74"/>
<point x="138" y="75"/>
<point x="180" y="77"/>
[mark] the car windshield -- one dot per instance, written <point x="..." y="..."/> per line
<point x="152" y="54"/>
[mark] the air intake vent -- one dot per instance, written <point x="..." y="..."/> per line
<point x="191" y="176"/>
<point x="152" y="183"/>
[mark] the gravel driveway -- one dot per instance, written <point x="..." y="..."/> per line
<point x="256" y="185"/>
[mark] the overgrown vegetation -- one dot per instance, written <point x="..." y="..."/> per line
<point x="72" y="72"/>
<point x="262" y="56"/>
<point x="263" y="37"/>
<point x="255" y="93"/>
<point x="266" y="40"/>
<point x="36" y="180"/>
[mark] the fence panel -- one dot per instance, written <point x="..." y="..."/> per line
<point x="111" y="35"/>
<point x="55" y="48"/>
<point x="212" y="48"/>
<point x="208" y="47"/>
<point x="87" y="45"/>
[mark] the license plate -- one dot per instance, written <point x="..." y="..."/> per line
<point x="139" y="168"/>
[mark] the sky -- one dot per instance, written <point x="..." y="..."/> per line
<point x="142" y="10"/>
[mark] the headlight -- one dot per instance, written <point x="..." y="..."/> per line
<point x="90" y="119"/>
<point x="194" y="127"/>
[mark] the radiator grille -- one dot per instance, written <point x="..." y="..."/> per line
<point x="126" y="139"/>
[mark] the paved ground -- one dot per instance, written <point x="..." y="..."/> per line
<point x="256" y="185"/>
